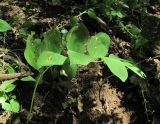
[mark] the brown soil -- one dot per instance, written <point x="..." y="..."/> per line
<point x="112" y="109"/>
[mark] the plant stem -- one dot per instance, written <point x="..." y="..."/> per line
<point x="34" y="91"/>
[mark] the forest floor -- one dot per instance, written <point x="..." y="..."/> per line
<point x="104" y="99"/>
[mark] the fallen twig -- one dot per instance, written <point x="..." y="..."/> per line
<point x="14" y="75"/>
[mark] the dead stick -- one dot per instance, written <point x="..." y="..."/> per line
<point x="14" y="75"/>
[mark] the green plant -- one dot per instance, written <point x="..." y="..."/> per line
<point x="39" y="54"/>
<point x="82" y="49"/>
<point x="113" y="8"/>
<point x="8" y="75"/>
<point x="97" y="48"/>
<point x="8" y="100"/>
<point x="117" y="11"/>
<point x="135" y="33"/>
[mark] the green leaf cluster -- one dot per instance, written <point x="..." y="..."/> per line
<point x="97" y="47"/>
<point x="7" y="100"/>
<point x="40" y="53"/>
<point x="81" y="49"/>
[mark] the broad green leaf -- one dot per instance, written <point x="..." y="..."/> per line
<point x="70" y="70"/>
<point x="130" y="65"/>
<point x="134" y="68"/>
<point x="48" y="58"/>
<point x="116" y="67"/>
<point x="98" y="46"/>
<point x="77" y="37"/>
<point x="7" y="87"/>
<point x="14" y="105"/>
<point x="78" y="58"/>
<point x="4" y="26"/>
<point x="53" y="41"/>
<point x="32" y="51"/>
